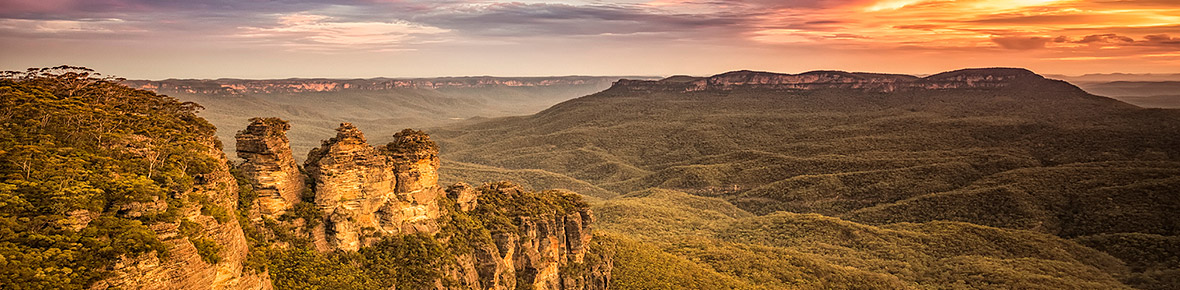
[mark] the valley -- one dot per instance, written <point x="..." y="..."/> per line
<point x="838" y="157"/>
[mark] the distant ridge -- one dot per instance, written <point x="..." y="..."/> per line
<point x="973" y="78"/>
<point x="229" y="86"/>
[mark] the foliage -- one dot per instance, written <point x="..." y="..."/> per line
<point x="404" y="262"/>
<point x="502" y="205"/>
<point x="1154" y="259"/>
<point x="640" y="266"/>
<point x="411" y="144"/>
<point x="85" y="162"/>
<point x="208" y="249"/>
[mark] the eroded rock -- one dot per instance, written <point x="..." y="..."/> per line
<point x="269" y="165"/>
<point x="360" y="188"/>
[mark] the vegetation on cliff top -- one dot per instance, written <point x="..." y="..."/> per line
<point x="88" y="166"/>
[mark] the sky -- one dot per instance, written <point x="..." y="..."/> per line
<point x="157" y="39"/>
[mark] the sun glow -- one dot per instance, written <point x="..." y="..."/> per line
<point x="890" y="5"/>
<point x="1015" y="4"/>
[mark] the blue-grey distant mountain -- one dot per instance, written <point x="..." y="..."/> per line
<point x="382" y="106"/>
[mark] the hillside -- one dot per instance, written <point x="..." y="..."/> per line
<point x="316" y="106"/>
<point x="997" y="147"/>
<point x="1149" y="94"/>
<point x="104" y="186"/>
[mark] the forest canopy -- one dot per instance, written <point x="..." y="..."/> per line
<point x="88" y="165"/>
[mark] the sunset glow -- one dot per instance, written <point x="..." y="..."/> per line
<point x="214" y="38"/>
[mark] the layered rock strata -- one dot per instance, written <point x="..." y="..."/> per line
<point x="269" y="165"/>
<point x="547" y="251"/>
<point x="364" y="193"/>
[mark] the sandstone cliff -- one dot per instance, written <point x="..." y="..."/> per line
<point x="500" y="236"/>
<point x="357" y="187"/>
<point x="206" y="247"/>
<point x="546" y="246"/>
<point x="269" y="165"/>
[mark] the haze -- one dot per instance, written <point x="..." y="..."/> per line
<point x="409" y="38"/>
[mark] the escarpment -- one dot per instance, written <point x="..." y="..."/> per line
<point x="499" y="235"/>
<point x="985" y="78"/>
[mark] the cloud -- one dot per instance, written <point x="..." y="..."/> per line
<point x="1021" y="42"/>
<point x="1109" y="38"/>
<point x="312" y="32"/>
<point x="521" y="19"/>
<point x="103" y="26"/>
<point x="935" y="30"/>
<point x="1162" y="39"/>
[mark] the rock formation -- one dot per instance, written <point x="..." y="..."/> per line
<point x="269" y="165"/>
<point x="539" y="240"/>
<point x="365" y="193"/>
<point x="548" y="250"/>
<point x="464" y="196"/>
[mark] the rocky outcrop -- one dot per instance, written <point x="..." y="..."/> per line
<point x="365" y="193"/>
<point x="547" y="250"/>
<point x="269" y="165"/>
<point x="464" y="196"/>
<point x="185" y="266"/>
<point x="989" y="78"/>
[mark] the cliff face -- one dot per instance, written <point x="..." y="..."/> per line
<point x="513" y="238"/>
<point x="185" y="267"/>
<point x="548" y="250"/>
<point x="962" y="79"/>
<point x="358" y="189"/>
<point x="269" y="164"/>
